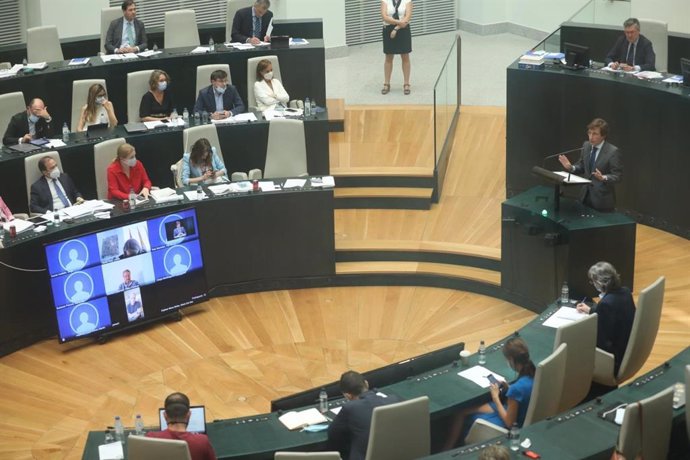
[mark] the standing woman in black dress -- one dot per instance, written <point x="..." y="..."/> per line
<point x="397" y="39"/>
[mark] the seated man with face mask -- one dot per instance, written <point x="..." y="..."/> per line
<point x="220" y="99"/>
<point x="34" y="123"/>
<point x="54" y="190"/>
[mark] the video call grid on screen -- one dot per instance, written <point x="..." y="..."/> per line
<point x="89" y="272"/>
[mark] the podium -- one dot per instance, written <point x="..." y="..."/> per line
<point x="544" y="244"/>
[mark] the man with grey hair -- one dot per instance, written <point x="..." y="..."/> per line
<point x="615" y="311"/>
<point x="250" y="24"/>
<point x="632" y="51"/>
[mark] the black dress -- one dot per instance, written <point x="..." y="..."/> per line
<point x="150" y="107"/>
<point x="401" y="44"/>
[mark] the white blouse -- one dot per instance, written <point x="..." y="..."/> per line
<point x="391" y="8"/>
<point x="267" y="98"/>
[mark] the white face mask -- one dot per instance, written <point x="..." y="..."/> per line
<point x="268" y="76"/>
<point x="54" y="173"/>
<point x="220" y="89"/>
<point x="100" y="100"/>
<point x="131" y="162"/>
<point x="162" y="85"/>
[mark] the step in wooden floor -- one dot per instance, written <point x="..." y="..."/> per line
<point x="336" y="115"/>
<point x="416" y="268"/>
<point x="459" y="249"/>
<point x="382" y="197"/>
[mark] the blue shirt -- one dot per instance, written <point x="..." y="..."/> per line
<point x="125" y="41"/>
<point x="520" y="391"/>
<point x="190" y="170"/>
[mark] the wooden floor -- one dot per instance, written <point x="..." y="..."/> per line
<point x="235" y="354"/>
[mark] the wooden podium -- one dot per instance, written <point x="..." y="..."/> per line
<point x="542" y="246"/>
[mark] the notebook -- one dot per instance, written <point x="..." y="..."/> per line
<point x="135" y="127"/>
<point x="197" y="421"/>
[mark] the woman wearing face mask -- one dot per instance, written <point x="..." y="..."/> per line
<point x="615" y="311"/>
<point x="126" y="173"/>
<point x="268" y="91"/>
<point x="157" y="103"/>
<point x="98" y="109"/>
<point x="202" y="164"/>
<point x="517" y="395"/>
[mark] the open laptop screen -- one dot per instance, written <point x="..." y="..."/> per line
<point x="197" y="422"/>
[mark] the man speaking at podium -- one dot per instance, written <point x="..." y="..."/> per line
<point x="601" y="162"/>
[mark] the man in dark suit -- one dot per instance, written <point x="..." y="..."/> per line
<point x="54" y="190"/>
<point x="349" y="432"/>
<point x="32" y="124"/>
<point x="126" y="34"/>
<point x="250" y="24"/>
<point x="601" y="162"/>
<point x="219" y="99"/>
<point x="632" y="51"/>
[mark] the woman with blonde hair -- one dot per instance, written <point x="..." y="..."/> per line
<point x="157" y="104"/>
<point x="125" y="173"/>
<point x="98" y="109"/>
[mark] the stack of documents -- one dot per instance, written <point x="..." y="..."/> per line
<point x="534" y="61"/>
<point x="563" y="316"/>
<point x="165" y="195"/>
<point x="325" y="182"/>
<point x="294" y="420"/>
<point x="149" y="53"/>
<point x="19" y="225"/>
<point x="478" y="375"/>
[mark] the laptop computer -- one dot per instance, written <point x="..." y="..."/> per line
<point x="99" y="130"/>
<point x="197" y="421"/>
<point x="280" y="41"/>
<point x="685" y="70"/>
<point x="136" y="127"/>
<point x="24" y="148"/>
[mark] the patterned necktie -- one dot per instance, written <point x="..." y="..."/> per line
<point x="60" y="194"/>
<point x="130" y="34"/>
<point x="592" y="160"/>
<point x="257" y="27"/>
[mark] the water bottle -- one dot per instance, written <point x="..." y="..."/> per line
<point x="24" y="62"/>
<point x="155" y="47"/>
<point x="312" y="109"/>
<point x="482" y="353"/>
<point x="139" y="425"/>
<point x="514" y="436"/>
<point x="199" y="193"/>
<point x="323" y="401"/>
<point x="197" y="118"/>
<point x="307" y="107"/>
<point x="174" y="116"/>
<point x="185" y="117"/>
<point x="204" y="117"/>
<point x="211" y="45"/>
<point x="65" y="132"/>
<point x="132" y="199"/>
<point x="119" y="429"/>
<point x="565" y="294"/>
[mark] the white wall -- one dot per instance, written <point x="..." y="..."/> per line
<point x="73" y="18"/>
<point x="675" y="12"/>
<point x="331" y="11"/>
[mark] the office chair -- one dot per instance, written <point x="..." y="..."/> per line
<point x="143" y="448"/>
<point x="103" y="154"/>
<point x="286" y="154"/>
<point x="646" y="427"/>
<point x="657" y="33"/>
<point x="203" y="75"/>
<point x="581" y="337"/>
<point x="43" y="44"/>
<point x="80" y="93"/>
<point x="233" y="6"/>
<point x="251" y="76"/>
<point x="181" y="29"/>
<point x="10" y="105"/>
<point x="32" y="173"/>
<point x="137" y="86"/>
<point x="108" y="15"/>
<point x="400" y="431"/>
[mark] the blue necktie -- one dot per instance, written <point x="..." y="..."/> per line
<point x="257" y="27"/>
<point x="592" y="160"/>
<point x="60" y="194"/>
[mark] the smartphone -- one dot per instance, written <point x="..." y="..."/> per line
<point x="493" y="379"/>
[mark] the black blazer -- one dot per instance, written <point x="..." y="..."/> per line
<point x="19" y="126"/>
<point x="242" y="25"/>
<point x="42" y="200"/>
<point x="644" y="53"/>
<point x="206" y="100"/>
<point x="616" y="313"/>
<point x="349" y="432"/>
<point x="602" y="195"/>
<point x="113" y="38"/>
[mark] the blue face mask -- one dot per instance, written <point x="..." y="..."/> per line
<point x="162" y="85"/>
<point x="33" y="118"/>
<point x="220" y="89"/>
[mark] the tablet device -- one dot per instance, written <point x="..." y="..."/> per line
<point x="40" y="141"/>
<point x="99" y="130"/>
<point x="197" y="421"/>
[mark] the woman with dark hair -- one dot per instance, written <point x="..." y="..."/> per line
<point x="615" y="311"/>
<point x="131" y="248"/>
<point x="268" y="90"/>
<point x="397" y="39"/>
<point x="157" y="104"/>
<point x="203" y="164"/>
<point x="98" y="109"/>
<point x="517" y="395"/>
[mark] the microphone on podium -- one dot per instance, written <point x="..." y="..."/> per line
<point x="563" y="153"/>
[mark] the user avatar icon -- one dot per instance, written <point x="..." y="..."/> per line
<point x="79" y="295"/>
<point x="85" y="325"/>
<point x="74" y="262"/>
<point x="178" y="268"/>
<point x="83" y="319"/>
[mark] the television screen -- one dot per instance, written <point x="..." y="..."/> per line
<point x="685" y="70"/>
<point x="576" y="56"/>
<point x="116" y="277"/>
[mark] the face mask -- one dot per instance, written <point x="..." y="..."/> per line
<point x="162" y="86"/>
<point x="33" y="118"/>
<point x="220" y="89"/>
<point x="132" y="162"/>
<point x="268" y="76"/>
<point x="54" y="173"/>
<point x="100" y="100"/>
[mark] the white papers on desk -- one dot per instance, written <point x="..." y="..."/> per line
<point x="324" y="182"/>
<point x="55" y="143"/>
<point x="201" y="50"/>
<point x="673" y="79"/>
<point x="336" y="410"/>
<point x="294" y="420"/>
<point x="298" y="41"/>
<point x="270" y="114"/>
<point x="563" y="316"/>
<point x="11" y="72"/>
<point x="118" y="57"/>
<point x="649" y="75"/>
<point x="19" y="225"/>
<point x="170" y="124"/>
<point x="244" y="117"/>
<point x="192" y="195"/>
<point x="221" y="189"/>
<point x="76" y="211"/>
<point x="165" y="195"/>
<point x="97" y="205"/>
<point x="79" y="61"/>
<point x="477" y="374"/>
<point x="149" y="53"/>
<point x="268" y="186"/>
<point x="241" y="187"/>
<point x="112" y="451"/>
<point x="294" y="183"/>
<point x="573" y="178"/>
<point x="240" y="46"/>
<point x="38" y="65"/>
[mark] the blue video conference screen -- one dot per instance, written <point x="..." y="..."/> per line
<point x="113" y="278"/>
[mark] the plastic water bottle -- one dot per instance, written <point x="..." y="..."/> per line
<point x="312" y="108"/>
<point x="185" y="117"/>
<point x="132" y="199"/>
<point x="65" y="132"/>
<point x="514" y="436"/>
<point x="139" y="425"/>
<point x="155" y="46"/>
<point x="174" y="115"/>
<point x="482" y="353"/>
<point x="197" y="118"/>
<point x="565" y="294"/>
<point x="119" y="429"/>
<point x="24" y="62"/>
<point x="323" y="401"/>
<point x="199" y="193"/>
<point x="211" y="45"/>
<point x="307" y="107"/>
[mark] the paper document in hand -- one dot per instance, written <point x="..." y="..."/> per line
<point x="563" y="316"/>
<point x="294" y="420"/>
<point x="294" y="183"/>
<point x="269" y="30"/>
<point x="571" y="178"/>
<point x="477" y="374"/>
